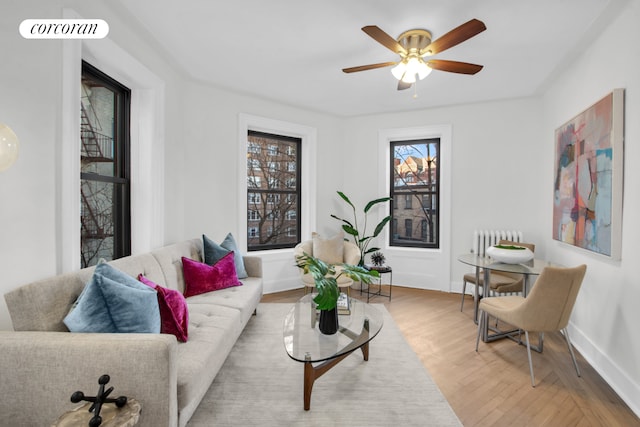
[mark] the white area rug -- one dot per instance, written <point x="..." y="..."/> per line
<point x="259" y="385"/>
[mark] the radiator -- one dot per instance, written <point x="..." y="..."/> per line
<point x="482" y="239"/>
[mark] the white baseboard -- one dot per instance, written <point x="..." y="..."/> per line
<point x="607" y="368"/>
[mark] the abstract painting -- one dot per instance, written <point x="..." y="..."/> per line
<point x="587" y="205"/>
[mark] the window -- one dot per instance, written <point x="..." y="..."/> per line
<point x="408" y="228"/>
<point x="253" y="148"/>
<point x="275" y="161"/>
<point x="415" y="181"/>
<point x="254" y="181"/>
<point x="253" y="215"/>
<point x="105" y="215"/>
<point x="253" y="164"/>
<point x="407" y="199"/>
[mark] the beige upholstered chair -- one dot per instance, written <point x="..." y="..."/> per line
<point x="500" y="282"/>
<point x="334" y="250"/>
<point x="547" y="308"/>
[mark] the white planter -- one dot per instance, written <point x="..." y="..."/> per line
<point x="516" y="255"/>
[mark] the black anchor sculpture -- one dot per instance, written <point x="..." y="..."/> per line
<point x="100" y="399"/>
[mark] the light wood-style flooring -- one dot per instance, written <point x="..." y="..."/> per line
<point x="493" y="387"/>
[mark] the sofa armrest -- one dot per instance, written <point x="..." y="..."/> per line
<point x="253" y="265"/>
<point x="40" y="371"/>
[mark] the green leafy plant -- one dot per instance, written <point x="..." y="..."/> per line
<point x="326" y="280"/>
<point x="512" y="247"/>
<point x="360" y="237"/>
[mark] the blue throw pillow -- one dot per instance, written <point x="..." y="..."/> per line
<point x="114" y="302"/>
<point x="213" y="252"/>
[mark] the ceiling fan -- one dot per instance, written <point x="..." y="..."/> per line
<point x="414" y="45"/>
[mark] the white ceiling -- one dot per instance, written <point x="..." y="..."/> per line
<point x="293" y="51"/>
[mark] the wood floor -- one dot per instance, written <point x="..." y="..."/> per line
<point x="493" y="387"/>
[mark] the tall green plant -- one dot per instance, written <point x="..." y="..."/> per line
<point x="359" y="235"/>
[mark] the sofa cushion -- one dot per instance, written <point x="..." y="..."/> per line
<point x="243" y="298"/>
<point x="213" y="252"/>
<point x="213" y="331"/>
<point x="174" y="313"/>
<point x="200" y="278"/>
<point x="114" y="302"/>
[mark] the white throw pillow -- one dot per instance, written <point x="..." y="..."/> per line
<point x="329" y="250"/>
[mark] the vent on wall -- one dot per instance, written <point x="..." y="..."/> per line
<point x="482" y="239"/>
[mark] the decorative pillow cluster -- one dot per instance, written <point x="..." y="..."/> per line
<point x="213" y="252"/>
<point x="174" y="313"/>
<point x="114" y="302"/>
<point x="200" y="278"/>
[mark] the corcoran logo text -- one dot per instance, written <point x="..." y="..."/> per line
<point x="64" y="29"/>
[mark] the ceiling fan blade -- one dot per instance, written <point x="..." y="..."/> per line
<point x="454" y="37"/>
<point x="384" y="39"/>
<point x="368" y="67"/>
<point x="402" y="85"/>
<point x="454" y="66"/>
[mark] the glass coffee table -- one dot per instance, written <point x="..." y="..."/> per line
<point x="305" y="343"/>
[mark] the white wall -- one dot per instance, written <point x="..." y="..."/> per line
<point x="29" y="104"/>
<point x="606" y="315"/>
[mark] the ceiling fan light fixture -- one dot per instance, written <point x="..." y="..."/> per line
<point x="413" y="45"/>
<point x="409" y="69"/>
<point x="399" y="70"/>
<point x="424" y="70"/>
<point x="409" y="78"/>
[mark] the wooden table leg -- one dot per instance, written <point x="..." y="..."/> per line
<point x="309" y="379"/>
<point x="312" y="373"/>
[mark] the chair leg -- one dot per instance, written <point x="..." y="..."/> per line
<point x="526" y="335"/>
<point x="464" y="289"/>
<point x="481" y="323"/>
<point x="573" y="356"/>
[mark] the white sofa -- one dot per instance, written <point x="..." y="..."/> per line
<point x="42" y="363"/>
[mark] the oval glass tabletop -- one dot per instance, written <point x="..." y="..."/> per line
<point x="305" y="343"/>
<point x="535" y="266"/>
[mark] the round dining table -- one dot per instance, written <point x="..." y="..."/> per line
<point x="485" y="265"/>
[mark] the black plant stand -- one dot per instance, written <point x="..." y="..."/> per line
<point x="383" y="269"/>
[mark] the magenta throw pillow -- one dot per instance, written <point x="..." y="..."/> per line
<point x="174" y="314"/>
<point x="200" y="278"/>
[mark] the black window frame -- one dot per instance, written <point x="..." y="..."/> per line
<point x="121" y="177"/>
<point x="272" y="196"/>
<point x="429" y="192"/>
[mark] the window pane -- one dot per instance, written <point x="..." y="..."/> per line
<point x="415" y="193"/>
<point x="97" y="221"/>
<point x="273" y="198"/>
<point x="98" y="116"/>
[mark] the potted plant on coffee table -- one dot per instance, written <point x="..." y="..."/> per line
<point x="326" y="277"/>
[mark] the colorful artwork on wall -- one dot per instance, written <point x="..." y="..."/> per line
<point x="587" y="206"/>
